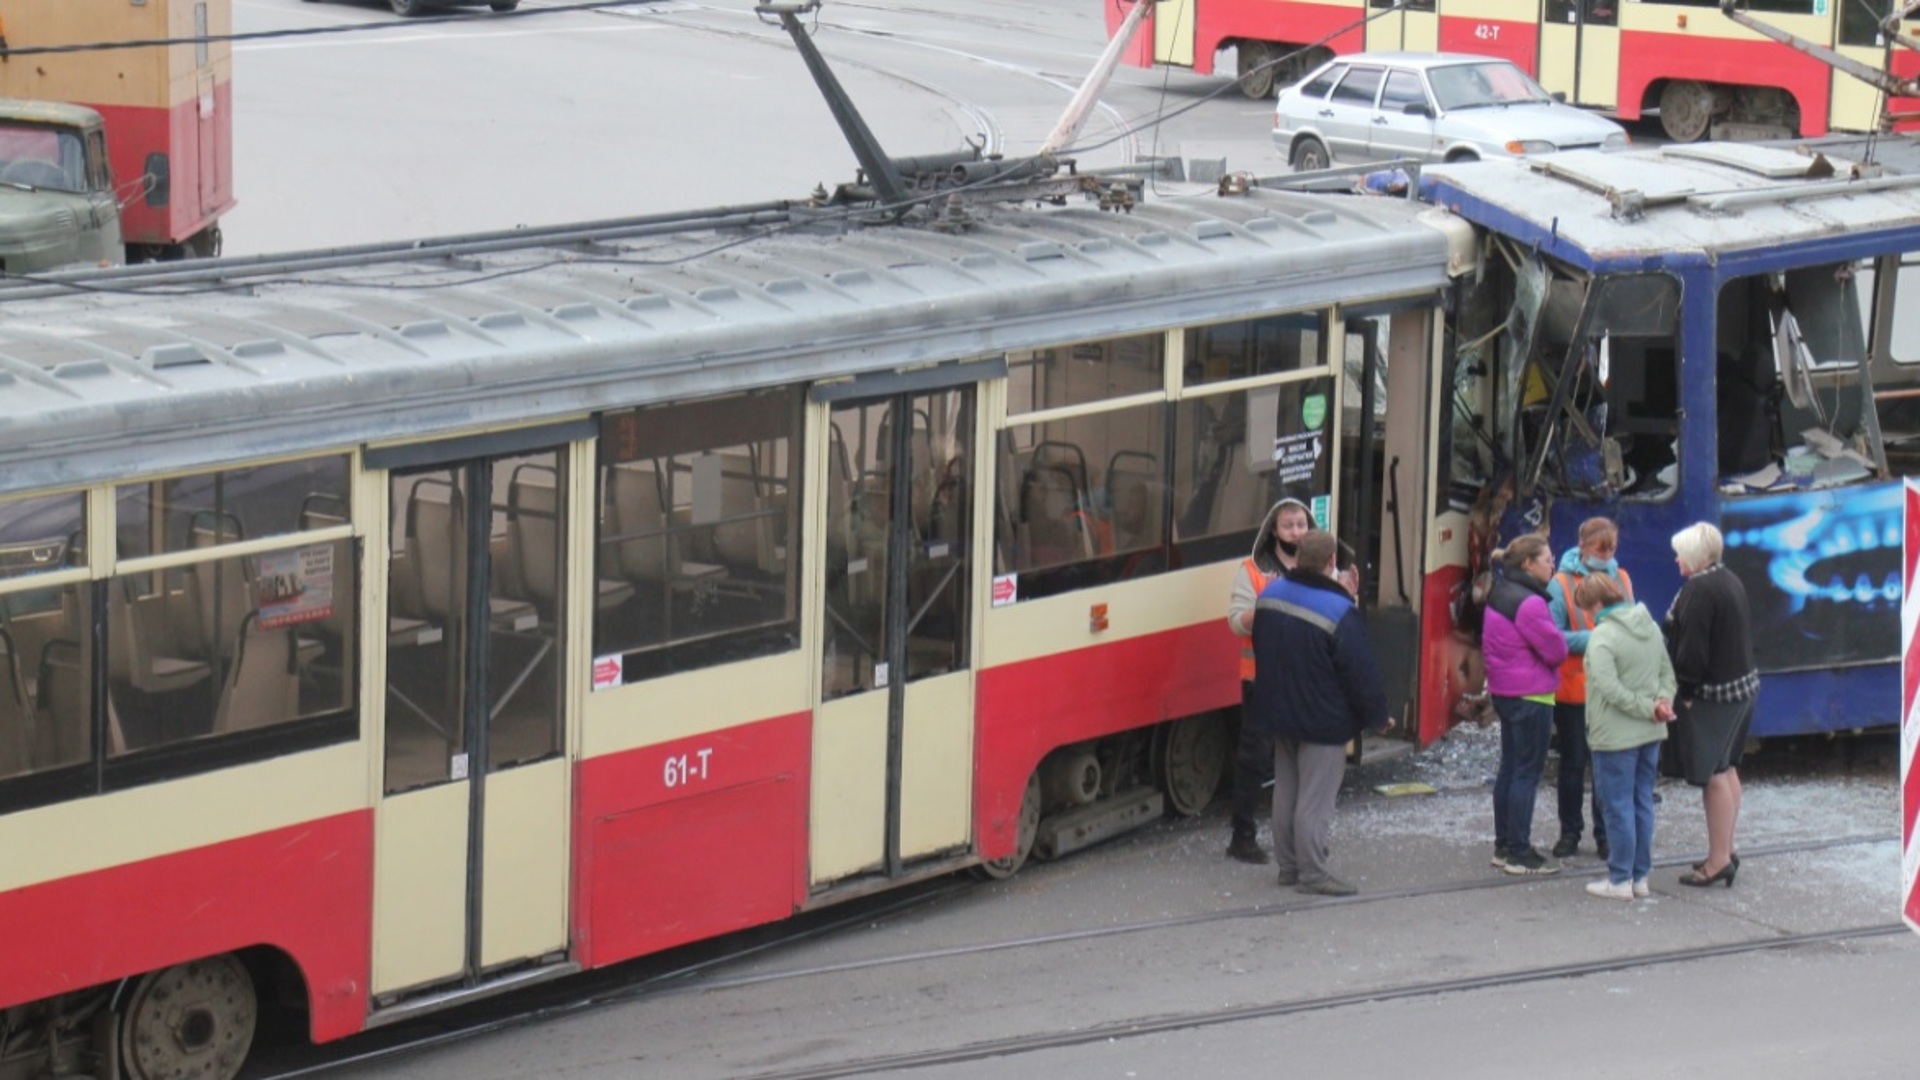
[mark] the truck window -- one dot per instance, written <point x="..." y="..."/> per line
<point x="42" y="157"/>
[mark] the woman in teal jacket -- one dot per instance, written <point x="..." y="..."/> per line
<point x="1630" y="688"/>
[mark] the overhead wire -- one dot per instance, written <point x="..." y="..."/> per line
<point x="827" y="216"/>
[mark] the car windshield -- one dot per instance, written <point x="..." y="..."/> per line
<point x="42" y="157"/>
<point x="1496" y="82"/>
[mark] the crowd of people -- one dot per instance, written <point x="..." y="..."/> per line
<point x="1570" y="657"/>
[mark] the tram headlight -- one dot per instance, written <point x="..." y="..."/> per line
<point x="1523" y="147"/>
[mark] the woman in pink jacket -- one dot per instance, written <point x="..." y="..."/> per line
<point x="1524" y="649"/>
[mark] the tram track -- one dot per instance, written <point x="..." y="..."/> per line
<point x="1115" y="1031"/>
<point x="703" y="975"/>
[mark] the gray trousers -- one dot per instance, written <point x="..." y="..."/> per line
<point x="1306" y="777"/>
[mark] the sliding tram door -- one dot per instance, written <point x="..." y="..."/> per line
<point x="893" y="733"/>
<point x="471" y="845"/>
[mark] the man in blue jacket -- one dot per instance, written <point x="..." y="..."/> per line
<point x="1316" y="686"/>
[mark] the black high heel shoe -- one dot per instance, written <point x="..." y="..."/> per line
<point x="1735" y="858"/>
<point x="1699" y="880"/>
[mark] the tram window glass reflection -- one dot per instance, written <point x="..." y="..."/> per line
<point x="1091" y="371"/>
<point x="1268" y="346"/>
<point x="1082" y="500"/>
<point x="229" y="644"/>
<point x="1237" y="453"/>
<point x="43" y="713"/>
<point x="699" y="516"/>
<point x="205" y="509"/>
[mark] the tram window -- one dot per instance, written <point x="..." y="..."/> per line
<point x="699" y="516"/>
<point x="231" y="644"/>
<point x="1089" y="372"/>
<point x="1083" y="501"/>
<point x="1237" y="454"/>
<point x="1860" y="22"/>
<point x="41" y="533"/>
<point x="203" y="509"/>
<point x="1269" y="346"/>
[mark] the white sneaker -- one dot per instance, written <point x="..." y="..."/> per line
<point x="1607" y="890"/>
<point x="1641" y="889"/>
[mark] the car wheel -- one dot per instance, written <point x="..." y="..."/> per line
<point x="1256" y="69"/>
<point x="1309" y="154"/>
<point x="1462" y="155"/>
<point x="504" y="5"/>
<point x="408" y="8"/>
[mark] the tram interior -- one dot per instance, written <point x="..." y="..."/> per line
<point x="1806" y="397"/>
<point x="209" y="644"/>
<point x="697" y="531"/>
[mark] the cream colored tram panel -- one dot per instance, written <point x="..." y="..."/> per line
<point x="847" y="824"/>
<point x="524" y="879"/>
<point x="1173" y="32"/>
<point x="1056" y="624"/>
<point x="420" y="887"/>
<point x="693" y="703"/>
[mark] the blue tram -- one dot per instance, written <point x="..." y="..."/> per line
<point x="1719" y="332"/>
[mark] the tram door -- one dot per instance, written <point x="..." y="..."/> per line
<point x="471" y="833"/>
<point x="1580" y="51"/>
<point x="1385" y="478"/>
<point x="893" y="733"/>
<point x="1413" y="28"/>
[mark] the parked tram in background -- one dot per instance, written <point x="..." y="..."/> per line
<point x="376" y="638"/>
<point x="1703" y="74"/>
<point x="1725" y="333"/>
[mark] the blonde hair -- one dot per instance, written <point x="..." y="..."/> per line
<point x="1597" y="591"/>
<point x="1699" y="546"/>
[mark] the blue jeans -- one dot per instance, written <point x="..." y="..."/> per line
<point x="1623" y="779"/>
<point x="1525" y="728"/>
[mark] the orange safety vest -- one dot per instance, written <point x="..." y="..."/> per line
<point x="1260" y="583"/>
<point x="1573" y="673"/>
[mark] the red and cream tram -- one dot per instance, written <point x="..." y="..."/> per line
<point x="380" y="636"/>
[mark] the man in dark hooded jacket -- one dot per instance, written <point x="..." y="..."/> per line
<point x="1316" y="687"/>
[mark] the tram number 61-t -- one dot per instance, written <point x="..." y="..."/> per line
<point x="686" y="768"/>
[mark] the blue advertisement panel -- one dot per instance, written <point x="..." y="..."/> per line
<point x="1822" y="570"/>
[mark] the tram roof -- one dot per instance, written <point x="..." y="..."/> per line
<point x="1688" y="203"/>
<point x="119" y="378"/>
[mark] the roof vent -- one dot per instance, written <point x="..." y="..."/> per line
<point x="1035" y="250"/>
<point x="1262" y="225"/>
<point x="851" y="278"/>
<point x="500" y="320"/>
<point x="248" y="350"/>
<point x="1319" y="217"/>
<point x="425" y="328"/>
<point x="179" y="354"/>
<point x="717" y="294"/>
<point x="1211" y="230"/>
<point x="1151" y="239"/>
<point x="576" y="312"/>
<point x="1096" y="247"/>
<point x="785" y="286"/>
<point x="82" y="369"/>
<point x="649" y="302"/>
<point x="977" y="261"/>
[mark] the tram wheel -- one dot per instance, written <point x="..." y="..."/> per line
<point x="1686" y="110"/>
<point x="1309" y="154"/>
<point x="1256" y="72"/>
<point x="1001" y="869"/>
<point x="192" y="1021"/>
<point x="1194" y="759"/>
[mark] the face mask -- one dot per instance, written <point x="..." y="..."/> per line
<point x="1291" y="549"/>
<point x="1598" y="564"/>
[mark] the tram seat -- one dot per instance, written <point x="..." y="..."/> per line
<point x="16" y="711"/>
<point x="1133" y="486"/>
<point x="533" y="532"/>
<point x="745" y="538"/>
<point x="131" y="659"/>
<point x="639" y="507"/>
<point x="263" y="682"/>
<point x="221" y="590"/>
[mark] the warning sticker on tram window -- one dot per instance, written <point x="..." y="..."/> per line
<point x="608" y="671"/>
<point x="296" y="586"/>
<point x="1297" y="455"/>
<point x="1006" y="588"/>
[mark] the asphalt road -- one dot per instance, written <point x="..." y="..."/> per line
<point x="403" y="128"/>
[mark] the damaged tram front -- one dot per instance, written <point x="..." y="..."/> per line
<point x="1703" y="333"/>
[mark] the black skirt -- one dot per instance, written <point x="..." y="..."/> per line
<point x="1710" y="737"/>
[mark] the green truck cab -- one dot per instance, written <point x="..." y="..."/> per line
<point x="58" y="206"/>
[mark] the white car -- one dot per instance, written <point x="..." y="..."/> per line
<point x="1429" y="107"/>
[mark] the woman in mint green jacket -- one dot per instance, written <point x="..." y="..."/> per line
<point x="1630" y="688"/>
